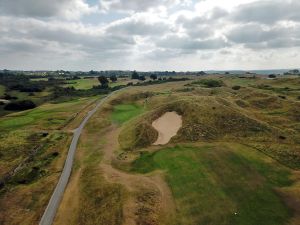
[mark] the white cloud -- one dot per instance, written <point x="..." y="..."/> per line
<point x="164" y="34"/>
<point x="69" y="9"/>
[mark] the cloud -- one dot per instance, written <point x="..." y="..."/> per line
<point x="140" y="34"/>
<point x="138" y="5"/>
<point x="185" y="43"/>
<point x="70" y="9"/>
<point x="258" y="36"/>
<point x="59" y="37"/>
<point x="139" y="24"/>
<point x="268" y="12"/>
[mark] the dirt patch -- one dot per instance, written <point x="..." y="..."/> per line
<point x="167" y="127"/>
<point x="68" y="209"/>
<point x="149" y="201"/>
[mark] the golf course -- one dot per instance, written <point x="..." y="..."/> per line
<point x="205" y="150"/>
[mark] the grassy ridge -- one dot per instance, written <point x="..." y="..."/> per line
<point x="214" y="184"/>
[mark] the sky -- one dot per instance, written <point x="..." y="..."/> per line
<point x="144" y="35"/>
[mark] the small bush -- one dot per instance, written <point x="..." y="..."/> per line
<point x="209" y="83"/>
<point x="236" y="87"/>
<point x="20" y="105"/>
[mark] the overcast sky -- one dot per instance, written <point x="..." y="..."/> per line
<point x="149" y="34"/>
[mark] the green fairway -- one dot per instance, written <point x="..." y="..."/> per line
<point x="47" y="116"/>
<point x="218" y="184"/>
<point x="83" y="84"/>
<point x="125" y="112"/>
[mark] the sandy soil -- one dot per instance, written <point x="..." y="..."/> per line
<point x="68" y="208"/>
<point x="167" y="126"/>
<point x="150" y="200"/>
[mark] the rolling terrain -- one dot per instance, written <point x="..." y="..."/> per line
<point x="234" y="160"/>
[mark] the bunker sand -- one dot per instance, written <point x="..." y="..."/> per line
<point x="167" y="127"/>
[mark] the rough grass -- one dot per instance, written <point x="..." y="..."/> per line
<point x="124" y="112"/>
<point x="204" y="118"/>
<point x="22" y="142"/>
<point x="213" y="184"/>
<point x="208" y="83"/>
<point x="100" y="202"/>
<point x="2" y="90"/>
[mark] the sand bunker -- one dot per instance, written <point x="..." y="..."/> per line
<point x="167" y="126"/>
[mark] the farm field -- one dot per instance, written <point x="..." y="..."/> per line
<point x="83" y="84"/>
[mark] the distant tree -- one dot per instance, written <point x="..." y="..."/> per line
<point x="153" y="76"/>
<point x="142" y="78"/>
<point x="103" y="81"/>
<point x="92" y="72"/>
<point x="296" y="71"/>
<point x="135" y="75"/>
<point x="272" y="76"/>
<point x="227" y="73"/>
<point x="9" y="97"/>
<point x="113" y="78"/>
<point x="201" y="73"/>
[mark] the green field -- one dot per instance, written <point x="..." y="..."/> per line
<point x="39" y="79"/>
<point x="47" y="116"/>
<point x="218" y="184"/>
<point x="2" y="90"/>
<point x="124" y="112"/>
<point x="83" y="84"/>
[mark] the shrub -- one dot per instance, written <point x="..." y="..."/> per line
<point x="209" y="83"/>
<point x="236" y="87"/>
<point x="282" y="96"/>
<point x="20" y="105"/>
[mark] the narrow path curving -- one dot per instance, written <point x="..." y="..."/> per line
<point x="52" y="207"/>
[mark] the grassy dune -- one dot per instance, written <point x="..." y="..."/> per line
<point x="221" y="184"/>
<point x="245" y="170"/>
<point x="98" y="202"/>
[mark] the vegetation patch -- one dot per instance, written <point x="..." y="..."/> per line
<point x="209" y="83"/>
<point x="213" y="184"/>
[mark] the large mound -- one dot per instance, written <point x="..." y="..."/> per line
<point x="204" y="118"/>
